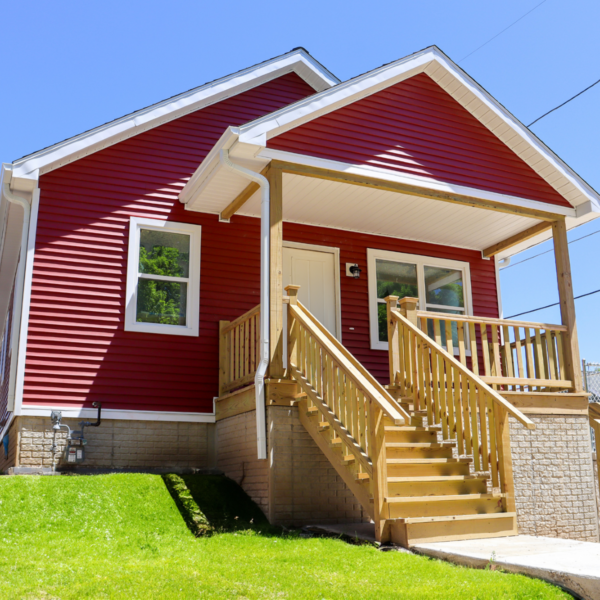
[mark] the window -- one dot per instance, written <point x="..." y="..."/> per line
<point x="440" y="285"/>
<point x="163" y="277"/>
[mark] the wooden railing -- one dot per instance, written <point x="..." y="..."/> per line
<point x="238" y="350"/>
<point x="347" y="397"/>
<point x="467" y="409"/>
<point x="513" y="355"/>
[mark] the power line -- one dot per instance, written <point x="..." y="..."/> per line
<point x="550" y="305"/>
<point x="566" y="102"/>
<point x="506" y="28"/>
<point x="546" y="251"/>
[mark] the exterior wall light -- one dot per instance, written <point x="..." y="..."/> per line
<point x="353" y="270"/>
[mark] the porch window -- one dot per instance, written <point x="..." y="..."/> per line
<point x="163" y="277"/>
<point x="440" y="285"/>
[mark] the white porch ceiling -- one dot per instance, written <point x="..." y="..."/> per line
<point x="356" y="208"/>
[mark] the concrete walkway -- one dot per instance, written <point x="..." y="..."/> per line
<point x="572" y="565"/>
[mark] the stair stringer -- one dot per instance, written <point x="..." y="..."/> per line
<point x="360" y="490"/>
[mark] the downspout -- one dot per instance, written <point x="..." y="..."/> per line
<point x="18" y="294"/>
<point x="265" y="262"/>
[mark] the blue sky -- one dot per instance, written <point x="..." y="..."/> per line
<point x="70" y="66"/>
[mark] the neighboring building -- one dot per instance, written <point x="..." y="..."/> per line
<point x="136" y="280"/>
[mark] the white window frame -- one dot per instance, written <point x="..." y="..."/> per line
<point x="136" y="224"/>
<point x="420" y="262"/>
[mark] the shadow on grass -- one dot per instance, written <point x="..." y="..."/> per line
<point x="212" y="504"/>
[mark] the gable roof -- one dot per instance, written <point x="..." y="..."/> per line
<point x="462" y="88"/>
<point x="297" y="60"/>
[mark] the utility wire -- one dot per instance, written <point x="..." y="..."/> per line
<point x="505" y="29"/>
<point x="566" y="102"/>
<point x="550" y="305"/>
<point x="546" y="251"/>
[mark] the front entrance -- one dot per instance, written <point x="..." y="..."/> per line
<point x="316" y="271"/>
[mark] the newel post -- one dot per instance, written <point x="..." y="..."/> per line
<point x="392" y="329"/>
<point x="408" y="308"/>
<point x="292" y="329"/>
<point x="224" y="354"/>
<point x="507" y="482"/>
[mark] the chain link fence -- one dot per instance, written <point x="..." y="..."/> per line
<point x="591" y="381"/>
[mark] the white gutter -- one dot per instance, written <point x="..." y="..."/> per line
<point x="259" y="378"/>
<point x="18" y="293"/>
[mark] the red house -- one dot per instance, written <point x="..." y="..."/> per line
<point x="294" y="280"/>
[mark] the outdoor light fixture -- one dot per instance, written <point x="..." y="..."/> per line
<point x="353" y="270"/>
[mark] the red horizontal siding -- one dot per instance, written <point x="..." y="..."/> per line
<point x="77" y="349"/>
<point x="416" y="127"/>
<point x="4" y="414"/>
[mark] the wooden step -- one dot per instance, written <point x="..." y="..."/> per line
<point x="408" y="445"/>
<point x="457" y="498"/>
<point x="348" y="459"/>
<point x="324" y="426"/>
<point x="362" y="477"/>
<point x="412" y="428"/>
<point x="312" y="411"/>
<point x="443" y="505"/>
<point x="436" y="485"/>
<point x="428" y="461"/>
<point x="336" y="443"/>
<point x="421" y="530"/>
<point x="433" y="478"/>
<point x="422" y="467"/>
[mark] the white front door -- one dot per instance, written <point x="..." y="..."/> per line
<point x="315" y="273"/>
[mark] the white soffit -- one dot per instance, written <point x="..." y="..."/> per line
<point x="366" y="210"/>
<point x="58" y="155"/>
<point x="462" y="88"/>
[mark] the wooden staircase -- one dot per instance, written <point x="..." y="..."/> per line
<point x="441" y="473"/>
<point x="432" y="494"/>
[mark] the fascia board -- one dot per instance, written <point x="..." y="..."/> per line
<point x="526" y="135"/>
<point x="329" y="100"/>
<point x="101" y="137"/>
<point x="423" y="182"/>
<point x="208" y="167"/>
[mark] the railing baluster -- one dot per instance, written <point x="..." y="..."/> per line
<point x="519" y="352"/>
<point x="461" y="343"/>
<point x="531" y="370"/>
<point x="492" y="439"/>
<point x="485" y="349"/>
<point x="449" y="393"/>
<point x="483" y="429"/>
<point x="475" y="441"/>
<point x="466" y="418"/>
<point x="449" y="341"/>
<point x="473" y="342"/>
<point x="458" y="410"/>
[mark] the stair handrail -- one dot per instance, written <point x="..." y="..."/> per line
<point x="353" y="368"/>
<point x="512" y="410"/>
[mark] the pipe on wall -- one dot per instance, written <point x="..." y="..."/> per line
<point x="18" y="294"/>
<point x="265" y="265"/>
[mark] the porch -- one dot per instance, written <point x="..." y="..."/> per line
<point x="427" y="456"/>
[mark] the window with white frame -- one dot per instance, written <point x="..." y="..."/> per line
<point x="163" y="277"/>
<point x="5" y="346"/>
<point x="441" y="285"/>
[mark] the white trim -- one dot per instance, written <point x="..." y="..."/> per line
<point x="420" y="261"/>
<point x="336" y="276"/>
<point x="58" y="155"/>
<point x="26" y="304"/>
<point x="424" y="182"/>
<point x="192" y="327"/>
<point x="126" y="415"/>
<point x="4" y="345"/>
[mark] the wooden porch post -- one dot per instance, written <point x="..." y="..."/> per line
<point x="567" y="304"/>
<point x="276" y="299"/>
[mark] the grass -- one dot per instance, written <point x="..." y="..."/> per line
<point x="123" y="536"/>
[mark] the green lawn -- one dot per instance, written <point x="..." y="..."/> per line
<point x="123" y="536"/>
